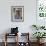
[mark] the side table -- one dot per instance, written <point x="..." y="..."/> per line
<point x="8" y="34"/>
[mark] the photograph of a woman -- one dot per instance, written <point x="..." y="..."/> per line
<point x="17" y="14"/>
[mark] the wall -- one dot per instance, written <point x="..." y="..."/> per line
<point x="29" y="15"/>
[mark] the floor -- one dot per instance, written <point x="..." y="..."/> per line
<point x="13" y="44"/>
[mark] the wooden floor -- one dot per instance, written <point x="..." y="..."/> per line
<point x="13" y="44"/>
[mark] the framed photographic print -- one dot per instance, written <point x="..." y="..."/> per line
<point x="41" y="12"/>
<point x="17" y="13"/>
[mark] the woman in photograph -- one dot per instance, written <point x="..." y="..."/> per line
<point x="18" y="14"/>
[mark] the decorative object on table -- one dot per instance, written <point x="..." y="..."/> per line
<point x="14" y="30"/>
<point x="17" y="13"/>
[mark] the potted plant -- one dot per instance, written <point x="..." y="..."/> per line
<point x="42" y="27"/>
<point x="38" y="27"/>
<point x="39" y="35"/>
<point x="35" y="26"/>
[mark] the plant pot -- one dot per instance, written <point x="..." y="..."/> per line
<point x="38" y="40"/>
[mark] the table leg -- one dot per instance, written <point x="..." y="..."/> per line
<point x="5" y="40"/>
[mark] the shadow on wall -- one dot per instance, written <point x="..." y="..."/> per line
<point x="32" y="30"/>
<point x="7" y="31"/>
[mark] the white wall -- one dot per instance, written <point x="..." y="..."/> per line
<point x="29" y="15"/>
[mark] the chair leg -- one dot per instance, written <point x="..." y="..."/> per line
<point x="5" y="43"/>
